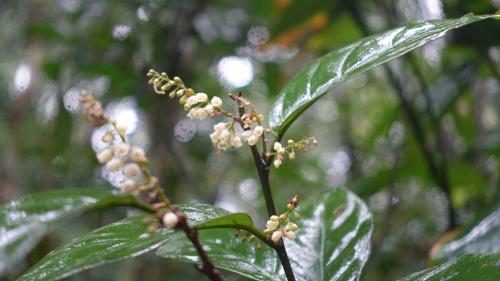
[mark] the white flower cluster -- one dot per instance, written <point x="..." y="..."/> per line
<point x="273" y="228"/>
<point x="199" y="108"/>
<point x="126" y="158"/>
<point x="281" y="226"/>
<point x="225" y="136"/>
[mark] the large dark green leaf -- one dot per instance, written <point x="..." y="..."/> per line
<point x="466" y="268"/>
<point x="484" y="237"/>
<point x="324" y="74"/>
<point x="333" y="243"/>
<point x="25" y="221"/>
<point x="121" y="240"/>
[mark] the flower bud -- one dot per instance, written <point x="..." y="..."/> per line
<point x="209" y="108"/>
<point x="258" y="131"/>
<point x="281" y="151"/>
<point x="183" y="99"/>
<point x="122" y="150"/>
<point x="272" y="225"/>
<point x="277" y="163"/>
<point x="290" y="235"/>
<point x="252" y="140"/>
<point x="276" y="236"/>
<point x="291" y="155"/>
<point x="131" y="170"/>
<point x="128" y="186"/>
<point x="277" y="146"/>
<point x="108" y="137"/>
<point x="216" y="102"/>
<point x="137" y="154"/>
<point x="202" y="97"/>
<point x="170" y="220"/>
<point x="114" y="164"/>
<point x="104" y="155"/>
<point x="290" y="226"/>
<point x="274" y="218"/>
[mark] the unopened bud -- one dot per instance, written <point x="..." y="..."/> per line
<point x="290" y="235"/>
<point x="128" y="186"/>
<point x="114" y="164"/>
<point x="183" y="99"/>
<point x="122" y="149"/>
<point x="274" y="218"/>
<point x="170" y="220"/>
<point x="107" y="137"/>
<point x="131" y="170"/>
<point x="276" y="236"/>
<point x="104" y="155"/>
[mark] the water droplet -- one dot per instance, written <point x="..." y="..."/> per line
<point x="184" y="130"/>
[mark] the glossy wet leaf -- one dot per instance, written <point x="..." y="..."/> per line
<point x="327" y="72"/>
<point x="464" y="268"/>
<point x="25" y="221"/>
<point x="228" y="221"/>
<point x="333" y="243"/>
<point x="484" y="237"/>
<point x="118" y="241"/>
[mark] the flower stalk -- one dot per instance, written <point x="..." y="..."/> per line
<point x="134" y="164"/>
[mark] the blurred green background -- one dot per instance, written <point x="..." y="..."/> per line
<point x="408" y="139"/>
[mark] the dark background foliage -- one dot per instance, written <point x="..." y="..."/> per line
<point x="418" y="139"/>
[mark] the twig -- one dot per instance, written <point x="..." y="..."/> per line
<point x="263" y="171"/>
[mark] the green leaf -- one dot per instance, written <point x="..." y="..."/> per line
<point x="333" y="243"/>
<point x="237" y="219"/>
<point x="327" y="72"/>
<point x="482" y="238"/>
<point x="466" y="268"/>
<point x="122" y="240"/>
<point x="25" y="221"/>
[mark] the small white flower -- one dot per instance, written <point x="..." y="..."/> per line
<point x="258" y="131"/>
<point x="128" y="186"/>
<point x="291" y="155"/>
<point x="131" y="170"/>
<point x="202" y="97"/>
<point x="235" y="141"/>
<point x="197" y="113"/>
<point x="272" y="225"/>
<point x="277" y="163"/>
<point x="290" y="235"/>
<point x="274" y="218"/>
<point x="276" y="236"/>
<point x="252" y="140"/>
<point x="104" y="155"/>
<point x="137" y="153"/>
<point x="209" y="108"/>
<point x="114" y="164"/>
<point x="216" y="102"/>
<point x="277" y="146"/>
<point x="281" y="151"/>
<point x="290" y="226"/>
<point x="122" y="149"/>
<point x="108" y="137"/>
<point x="170" y="220"/>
